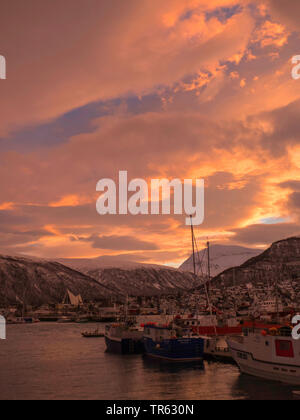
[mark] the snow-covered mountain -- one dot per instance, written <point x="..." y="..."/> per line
<point x="107" y="261"/>
<point x="36" y="282"/>
<point x="222" y="257"/>
<point x="145" y="281"/>
<point x="280" y="261"/>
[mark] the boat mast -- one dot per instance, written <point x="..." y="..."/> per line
<point x="193" y="242"/>
<point x="209" y="274"/>
<point x="24" y="307"/>
<point x="208" y="260"/>
<point x="277" y="299"/>
<point x="126" y="308"/>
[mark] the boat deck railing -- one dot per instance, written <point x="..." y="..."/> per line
<point x="272" y="332"/>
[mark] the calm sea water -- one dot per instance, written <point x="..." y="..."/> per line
<point x="53" y="361"/>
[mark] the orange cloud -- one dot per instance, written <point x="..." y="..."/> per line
<point x="272" y="34"/>
<point x="93" y="53"/>
<point x="7" y="206"/>
<point x="244" y="142"/>
<point x="69" y="201"/>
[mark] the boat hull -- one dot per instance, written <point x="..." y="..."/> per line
<point x="265" y="372"/>
<point x="124" y="346"/>
<point x="251" y="363"/>
<point x="177" y="350"/>
<point x="92" y="335"/>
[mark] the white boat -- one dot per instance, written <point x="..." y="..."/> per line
<point x="269" y="354"/>
<point x="296" y="395"/>
<point x="217" y="348"/>
<point x="16" y="321"/>
<point x="64" y="320"/>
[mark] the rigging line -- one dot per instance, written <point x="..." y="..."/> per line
<point x="200" y="261"/>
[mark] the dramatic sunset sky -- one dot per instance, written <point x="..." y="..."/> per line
<point x="169" y="88"/>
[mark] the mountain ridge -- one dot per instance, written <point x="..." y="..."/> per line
<point x="282" y="258"/>
<point x="38" y="281"/>
<point x="222" y="257"/>
<point x="103" y="262"/>
<point x="145" y="281"/>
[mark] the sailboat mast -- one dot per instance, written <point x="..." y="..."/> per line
<point x="208" y="260"/>
<point x="193" y="242"/>
<point x="277" y="299"/>
<point x="24" y="307"/>
<point x="126" y="310"/>
<point x="207" y="283"/>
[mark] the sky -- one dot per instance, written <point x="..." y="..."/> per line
<point x="163" y="89"/>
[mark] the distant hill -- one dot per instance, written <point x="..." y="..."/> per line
<point x="222" y="257"/>
<point x="39" y="281"/>
<point x="107" y="261"/>
<point x="145" y="281"/>
<point x="281" y="260"/>
<point x="133" y="278"/>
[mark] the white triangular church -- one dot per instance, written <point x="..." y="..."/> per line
<point x="71" y="299"/>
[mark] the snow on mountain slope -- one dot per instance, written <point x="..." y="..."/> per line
<point x="280" y="261"/>
<point x="87" y="264"/>
<point x="222" y="257"/>
<point x="145" y="281"/>
<point x="133" y="278"/>
<point x="39" y="281"/>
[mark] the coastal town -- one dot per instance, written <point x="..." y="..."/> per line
<point x="257" y="288"/>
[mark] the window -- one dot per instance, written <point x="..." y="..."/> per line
<point x="241" y="355"/>
<point x="284" y="348"/>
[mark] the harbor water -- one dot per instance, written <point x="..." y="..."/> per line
<point x="53" y="361"/>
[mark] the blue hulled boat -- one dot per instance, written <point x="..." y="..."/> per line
<point x="174" y="344"/>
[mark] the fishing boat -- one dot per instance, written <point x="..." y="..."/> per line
<point x="172" y="343"/>
<point x="93" y="334"/>
<point x="82" y="320"/>
<point x="269" y="354"/>
<point x="124" y="338"/>
<point x="16" y="321"/>
<point x="31" y="320"/>
<point x="64" y="320"/>
<point x="296" y="395"/>
<point x="208" y="321"/>
<point x="216" y="348"/>
<point x="208" y="324"/>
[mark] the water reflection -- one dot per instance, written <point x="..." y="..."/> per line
<point x="259" y="389"/>
<point x="171" y="367"/>
<point x="51" y="361"/>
